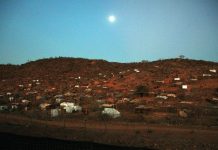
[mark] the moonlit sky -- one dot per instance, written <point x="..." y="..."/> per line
<point x="143" y="30"/>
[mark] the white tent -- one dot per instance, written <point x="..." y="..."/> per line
<point x="70" y="109"/>
<point x="3" y="107"/>
<point x="111" y="112"/>
<point x="77" y="108"/>
<point x="54" y="112"/>
<point x="184" y="86"/>
<point x="67" y="104"/>
<point x="43" y="106"/>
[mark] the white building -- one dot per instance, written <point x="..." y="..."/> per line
<point x="161" y="97"/>
<point x="111" y="112"/>
<point x="207" y="75"/>
<point x="3" y="107"/>
<point x="184" y="86"/>
<point x="213" y="70"/>
<point x="136" y="70"/>
<point x="54" y="112"/>
<point x="176" y="79"/>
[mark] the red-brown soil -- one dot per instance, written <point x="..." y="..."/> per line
<point x="87" y="81"/>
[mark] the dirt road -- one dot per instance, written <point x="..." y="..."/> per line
<point x="116" y="133"/>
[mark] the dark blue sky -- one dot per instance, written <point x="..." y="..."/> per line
<point x="144" y="29"/>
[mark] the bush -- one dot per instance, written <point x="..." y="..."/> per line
<point x="141" y="90"/>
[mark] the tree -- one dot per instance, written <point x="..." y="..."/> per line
<point x="141" y="90"/>
<point x="181" y="56"/>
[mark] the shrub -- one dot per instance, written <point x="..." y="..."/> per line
<point x="141" y="90"/>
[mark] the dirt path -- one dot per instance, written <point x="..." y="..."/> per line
<point x="117" y="133"/>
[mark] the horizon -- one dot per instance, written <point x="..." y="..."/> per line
<point x="140" y="61"/>
<point x="139" y="30"/>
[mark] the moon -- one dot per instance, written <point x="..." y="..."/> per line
<point x="112" y="19"/>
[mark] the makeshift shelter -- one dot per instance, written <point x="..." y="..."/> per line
<point x="54" y="112"/>
<point x="70" y="107"/>
<point x="44" y="106"/>
<point x="77" y="108"/>
<point x="213" y="70"/>
<point x="171" y="95"/>
<point x="161" y="97"/>
<point x="176" y="79"/>
<point x="107" y="106"/>
<point x="111" y="112"/>
<point x="207" y="75"/>
<point x="136" y="70"/>
<point x="67" y="104"/>
<point x="184" y="86"/>
<point x="3" y="107"/>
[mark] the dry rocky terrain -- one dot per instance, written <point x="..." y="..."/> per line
<point x="161" y="100"/>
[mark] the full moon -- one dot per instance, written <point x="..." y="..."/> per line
<point x="111" y="19"/>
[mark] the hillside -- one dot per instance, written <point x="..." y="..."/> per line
<point x="175" y="92"/>
<point x="116" y="76"/>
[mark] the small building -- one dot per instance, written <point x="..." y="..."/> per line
<point x="162" y="97"/>
<point x="88" y="90"/>
<point x="107" y="106"/>
<point x="44" y="106"/>
<point x="70" y="109"/>
<point x="58" y="96"/>
<point x="214" y="100"/>
<point x="3" y="107"/>
<point x="14" y="106"/>
<point x="76" y="86"/>
<point x="185" y="87"/>
<point x="207" y="75"/>
<point x="178" y="83"/>
<point x="134" y="101"/>
<point x="77" y="108"/>
<point x="8" y="93"/>
<point x="193" y="79"/>
<point x="186" y="102"/>
<point x="38" y="83"/>
<point x="54" y="112"/>
<point x="67" y="104"/>
<point x="25" y="102"/>
<point x="21" y="85"/>
<point x="171" y="95"/>
<point x="100" y="101"/>
<point x="58" y="100"/>
<point x="126" y="99"/>
<point x="113" y="113"/>
<point x="176" y="79"/>
<point x="183" y="113"/>
<point x="68" y="94"/>
<point x="160" y="81"/>
<point x="213" y="70"/>
<point x="136" y="70"/>
<point x="11" y="98"/>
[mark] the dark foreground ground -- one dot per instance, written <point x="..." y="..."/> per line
<point x="18" y="142"/>
<point x="123" y="135"/>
